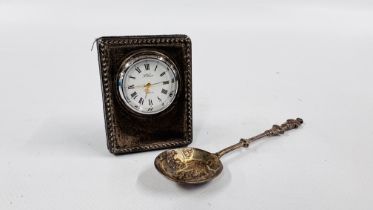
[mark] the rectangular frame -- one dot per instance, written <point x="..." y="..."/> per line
<point x="113" y="49"/>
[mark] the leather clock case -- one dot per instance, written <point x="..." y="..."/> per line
<point x="127" y="131"/>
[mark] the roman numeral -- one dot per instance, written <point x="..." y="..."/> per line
<point x="163" y="73"/>
<point x="146" y="66"/>
<point x="164" y="91"/>
<point x="150" y="109"/>
<point x="173" y="80"/>
<point x="132" y="77"/>
<point x="155" y="68"/>
<point x="131" y="86"/>
<point x="166" y="82"/>
<point x="171" y="94"/>
<point x="141" y="101"/>
<point x="134" y="95"/>
<point x="138" y="70"/>
<point x="150" y="102"/>
<point x="159" y="99"/>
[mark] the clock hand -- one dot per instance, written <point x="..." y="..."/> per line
<point x="146" y="85"/>
<point x="158" y="83"/>
<point x="138" y="86"/>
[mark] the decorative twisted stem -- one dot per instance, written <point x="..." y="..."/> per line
<point x="274" y="131"/>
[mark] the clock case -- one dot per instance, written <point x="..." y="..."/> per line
<point x="127" y="131"/>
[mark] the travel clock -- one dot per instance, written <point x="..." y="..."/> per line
<point x="147" y="91"/>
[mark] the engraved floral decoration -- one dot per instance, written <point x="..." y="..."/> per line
<point x="181" y="164"/>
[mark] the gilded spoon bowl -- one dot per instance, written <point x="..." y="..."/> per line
<point x="188" y="165"/>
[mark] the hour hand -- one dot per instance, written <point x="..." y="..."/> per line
<point x="135" y="86"/>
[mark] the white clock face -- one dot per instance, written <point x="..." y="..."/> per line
<point x="148" y="85"/>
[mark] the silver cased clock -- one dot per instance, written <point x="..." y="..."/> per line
<point x="146" y="91"/>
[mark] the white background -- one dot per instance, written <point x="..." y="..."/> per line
<point x="255" y="63"/>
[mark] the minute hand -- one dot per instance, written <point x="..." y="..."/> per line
<point x="156" y="83"/>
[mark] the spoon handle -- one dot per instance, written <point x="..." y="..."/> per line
<point x="274" y="131"/>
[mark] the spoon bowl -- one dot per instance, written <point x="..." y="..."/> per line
<point x="188" y="165"/>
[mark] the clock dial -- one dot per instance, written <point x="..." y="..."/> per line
<point x="149" y="84"/>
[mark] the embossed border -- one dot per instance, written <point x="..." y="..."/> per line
<point x="103" y="44"/>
